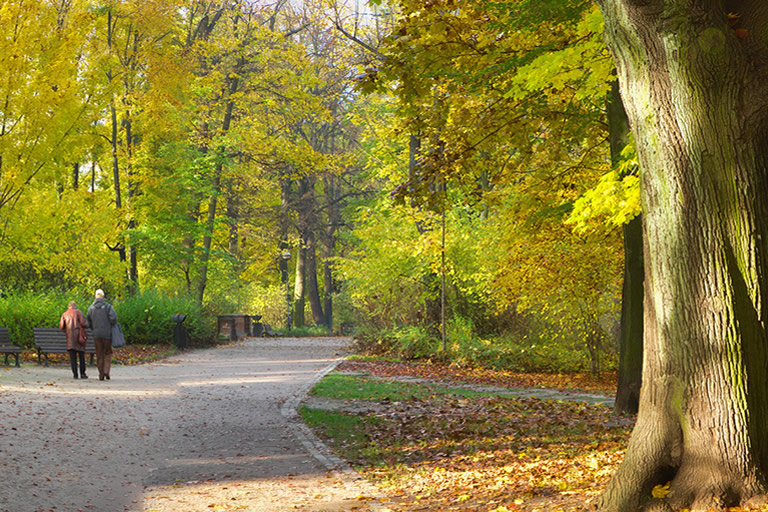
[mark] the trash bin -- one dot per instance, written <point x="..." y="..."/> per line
<point x="257" y="329"/>
<point x="179" y="331"/>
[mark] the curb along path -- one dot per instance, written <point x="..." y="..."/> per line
<point x="206" y="430"/>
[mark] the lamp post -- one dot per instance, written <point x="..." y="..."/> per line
<point x="286" y="255"/>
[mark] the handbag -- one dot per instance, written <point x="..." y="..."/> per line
<point x="83" y="337"/>
<point x="118" y="339"/>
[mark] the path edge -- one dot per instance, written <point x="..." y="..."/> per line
<point x="304" y="434"/>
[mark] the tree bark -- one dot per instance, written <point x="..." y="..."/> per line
<point x="313" y="288"/>
<point x="298" y="288"/>
<point x="630" y="367"/>
<point x="285" y="193"/>
<point x="693" y="81"/>
<point x="334" y="220"/>
<point x="307" y="211"/>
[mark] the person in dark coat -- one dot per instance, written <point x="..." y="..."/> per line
<point x="73" y="324"/>
<point x="101" y="317"/>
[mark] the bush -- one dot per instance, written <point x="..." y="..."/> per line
<point x="145" y="317"/>
<point x="308" y="331"/>
<point x="408" y="342"/>
<point x="524" y="354"/>
<point x="20" y="312"/>
<point x="269" y="302"/>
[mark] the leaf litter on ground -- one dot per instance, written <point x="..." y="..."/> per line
<point x="485" y="452"/>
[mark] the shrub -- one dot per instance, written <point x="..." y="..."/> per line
<point x="515" y="353"/>
<point x="307" y="331"/>
<point x="269" y="302"/>
<point x="20" y="312"/>
<point x="145" y="317"/>
<point x="409" y="342"/>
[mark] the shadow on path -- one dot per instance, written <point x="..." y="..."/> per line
<point x="206" y="430"/>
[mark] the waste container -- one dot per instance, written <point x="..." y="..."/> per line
<point x="180" y="336"/>
<point x="255" y="326"/>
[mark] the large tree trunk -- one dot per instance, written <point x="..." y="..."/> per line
<point x="313" y="288"/>
<point x="307" y="212"/>
<point x="693" y="83"/>
<point x="631" y="334"/>
<point x="630" y="366"/>
<point x="334" y="220"/>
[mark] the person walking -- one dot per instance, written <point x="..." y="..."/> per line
<point x="73" y="324"/>
<point x="101" y="317"/>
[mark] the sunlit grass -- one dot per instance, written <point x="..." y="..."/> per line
<point x="436" y="449"/>
<point x="349" y="387"/>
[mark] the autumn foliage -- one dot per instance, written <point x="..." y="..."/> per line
<point x="490" y="453"/>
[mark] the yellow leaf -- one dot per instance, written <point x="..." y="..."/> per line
<point x="660" y="491"/>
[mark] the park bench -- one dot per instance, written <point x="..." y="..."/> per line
<point x="53" y="341"/>
<point x="8" y="348"/>
<point x="268" y="332"/>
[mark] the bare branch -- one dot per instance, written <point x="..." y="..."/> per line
<point x="359" y="41"/>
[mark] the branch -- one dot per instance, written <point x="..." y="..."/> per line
<point x="296" y="30"/>
<point x="118" y="247"/>
<point x="360" y="42"/>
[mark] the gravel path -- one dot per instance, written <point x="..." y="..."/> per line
<point x="206" y="430"/>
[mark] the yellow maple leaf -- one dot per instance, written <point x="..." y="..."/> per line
<point x="661" y="491"/>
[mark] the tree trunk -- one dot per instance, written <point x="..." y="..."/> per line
<point x="693" y="82"/>
<point x="210" y="226"/>
<point x="233" y="214"/>
<point x="210" y="223"/>
<point x="114" y="141"/>
<point x="298" y="288"/>
<point x="307" y="213"/>
<point x="120" y="247"/>
<point x="133" y="261"/>
<point x="630" y="367"/>
<point x="313" y="288"/>
<point x="631" y="333"/>
<point x="285" y="193"/>
<point x="283" y="266"/>
<point x="334" y="220"/>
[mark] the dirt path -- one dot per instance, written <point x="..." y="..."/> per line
<point x="206" y="430"/>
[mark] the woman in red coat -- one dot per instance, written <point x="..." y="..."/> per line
<point x="73" y="324"/>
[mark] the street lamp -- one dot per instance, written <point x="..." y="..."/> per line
<point x="286" y="255"/>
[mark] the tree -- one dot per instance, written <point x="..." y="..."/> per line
<point x="692" y="81"/>
<point x="630" y="369"/>
<point x="42" y="105"/>
<point x="501" y="108"/>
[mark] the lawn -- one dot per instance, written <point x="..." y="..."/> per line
<point x="433" y="447"/>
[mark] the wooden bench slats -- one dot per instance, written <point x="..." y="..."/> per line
<point x="50" y="340"/>
<point x="8" y="348"/>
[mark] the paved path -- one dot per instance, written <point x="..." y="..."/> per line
<point x="206" y="430"/>
<point x="540" y="393"/>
